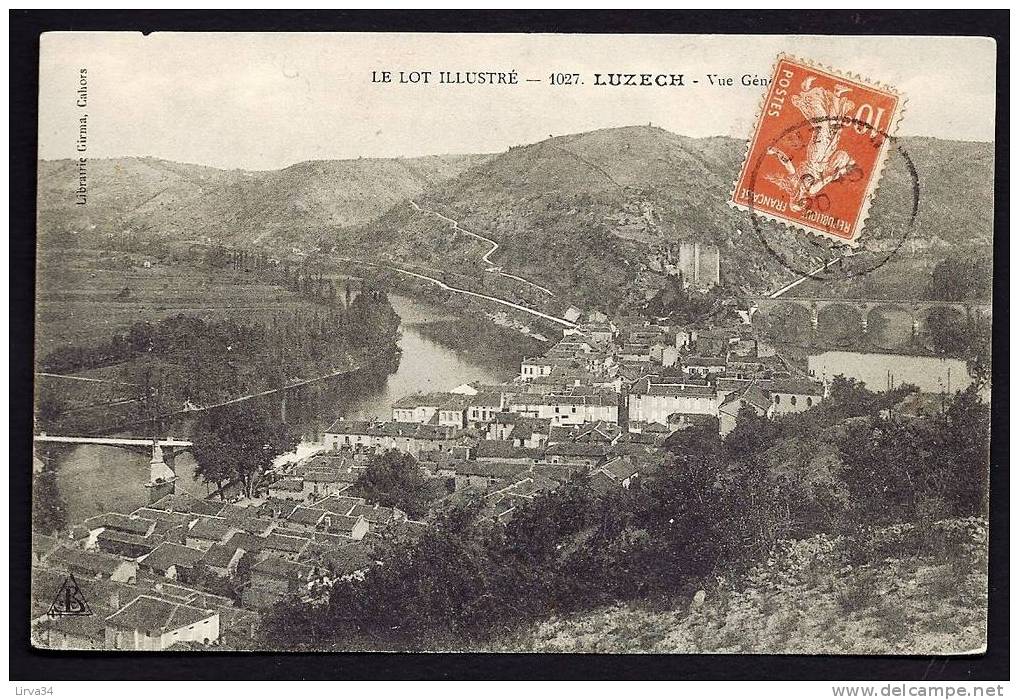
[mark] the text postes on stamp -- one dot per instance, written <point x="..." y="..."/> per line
<point x="816" y="154"/>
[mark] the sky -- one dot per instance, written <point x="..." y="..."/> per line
<point x="265" y="101"/>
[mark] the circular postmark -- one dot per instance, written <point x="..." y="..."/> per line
<point x="820" y="201"/>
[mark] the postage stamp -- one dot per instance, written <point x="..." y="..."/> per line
<point x="815" y="158"/>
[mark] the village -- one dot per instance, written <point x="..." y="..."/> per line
<point x="186" y="572"/>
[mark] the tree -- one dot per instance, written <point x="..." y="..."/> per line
<point x="239" y="442"/>
<point x="393" y="479"/>
<point x="49" y="511"/>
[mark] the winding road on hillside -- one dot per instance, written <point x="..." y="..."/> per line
<point x="804" y="278"/>
<point x="487" y="257"/>
<point x="439" y="283"/>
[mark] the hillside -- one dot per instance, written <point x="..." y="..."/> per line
<point x="580" y="213"/>
<point x="811" y="597"/>
<point x="151" y="198"/>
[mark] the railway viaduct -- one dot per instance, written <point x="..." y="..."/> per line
<point x="886" y="323"/>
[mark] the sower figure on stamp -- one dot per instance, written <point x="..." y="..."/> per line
<point x="825" y="163"/>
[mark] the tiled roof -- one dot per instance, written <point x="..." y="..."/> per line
<point x="342" y="523"/>
<point x="280" y="568"/>
<point x="174" y="517"/>
<point x="793" y="386"/>
<point x="170" y="554"/>
<point x="291" y="485"/>
<point x="80" y="560"/>
<point x="340" y="505"/>
<point x="306" y="516"/>
<point x="492" y="470"/>
<point x="119" y="521"/>
<point x="576" y="449"/>
<point x="619" y="468"/>
<point x="505" y="449"/>
<point x="211" y="528"/>
<point x="486" y="399"/>
<point x="156" y="615"/>
<point x="283" y="543"/>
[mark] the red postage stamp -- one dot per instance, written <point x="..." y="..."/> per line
<point x="817" y="151"/>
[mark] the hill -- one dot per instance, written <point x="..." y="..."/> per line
<point x="149" y="198"/>
<point x="582" y="213"/>
<point x="809" y="598"/>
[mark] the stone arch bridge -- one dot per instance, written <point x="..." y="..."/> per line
<point x="884" y="323"/>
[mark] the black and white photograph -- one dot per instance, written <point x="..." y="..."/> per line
<point x="513" y="342"/>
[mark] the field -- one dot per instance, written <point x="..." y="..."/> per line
<point x="84" y="296"/>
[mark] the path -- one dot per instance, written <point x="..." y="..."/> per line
<point x="804" y="278"/>
<point x="443" y="285"/>
<point x="82" y="379"/>
<point x="487" y="257"/>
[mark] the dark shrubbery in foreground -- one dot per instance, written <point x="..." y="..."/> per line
<point x="714" y="508"/>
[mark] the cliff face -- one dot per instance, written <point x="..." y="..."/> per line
<point x="814" y="596"/>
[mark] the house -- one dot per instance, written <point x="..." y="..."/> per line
<point x="274" y="579"/>
<point x="288" y="488"/>
<point x="703" y="366"/>
<point x="124" y="544"/>
<point x="617" y="473"/>
<point x="103" y="597"/>
<point x="149" y="623"/>
<point x="412" y="438"/>
<point x="483" y="406"/>
<point x="572" y="314"/>
<point x="378" y="515"/>
<point x="483" y="474"/>
<point x="116" y="522"/>
<point x="93" y="565"/>
<point x="530" y="432"/>
<point x="276" y="508"/>
<point x="453" y="411"/>
<point x="600" y="333"/>
<point x="353" y="526"/>
<point x="419" y="408"/>
<point x="339" y="505"/>
<point x="793" y="395"/>
<point x="682" y="421"/>
<point x="588" y="454"/>
<point x="208" y="530"/>
<point x="652" y="400"/>
<point x="284" y="546"/>
<point x="753" y="396"/>
<point x="223" y="559"/>
<point x="505" y="451"/>
<point x="306" y="519"/>
<point x="568" y="409"/>
<point x="172" y="561"/>
<point x="321" y="483"/>
<point x="534" y="367"/>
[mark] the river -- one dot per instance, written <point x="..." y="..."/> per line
<point x="879" y="371"/>
<point x="94" y="479"/>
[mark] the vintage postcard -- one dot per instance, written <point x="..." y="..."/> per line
<point x="513" y="343"/>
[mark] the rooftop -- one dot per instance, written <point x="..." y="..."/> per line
<point x="156" y="615"/>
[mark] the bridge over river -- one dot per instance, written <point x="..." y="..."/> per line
<point x="887" y="323"/>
